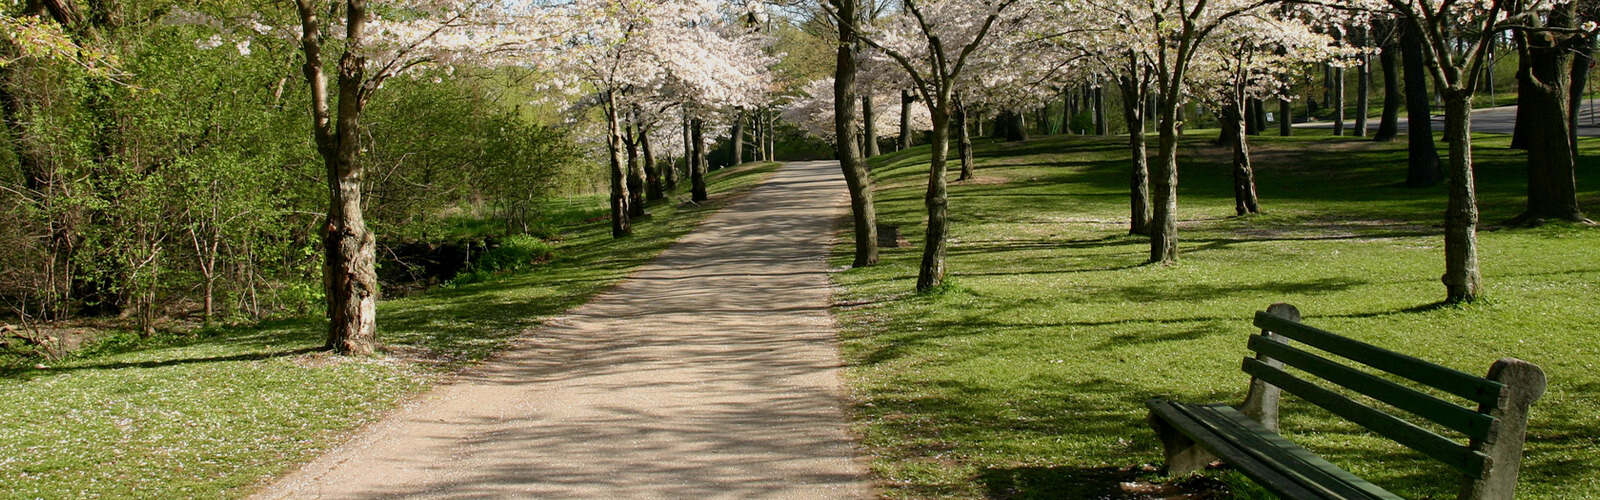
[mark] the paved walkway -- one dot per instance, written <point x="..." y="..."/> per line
<point x="1500" y="120"/>
<point x="712" y="372"/>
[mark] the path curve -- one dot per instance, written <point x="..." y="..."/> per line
<point x="711" y="372"/>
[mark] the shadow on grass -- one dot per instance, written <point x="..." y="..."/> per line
<point x="1060" y="482"/>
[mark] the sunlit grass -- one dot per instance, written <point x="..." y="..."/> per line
<point x="217" y="414"/>
<point x="1027" y="376"/>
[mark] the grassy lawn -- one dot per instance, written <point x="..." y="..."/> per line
<point x="1026" y="378"/>
<point x="215" y="415"/>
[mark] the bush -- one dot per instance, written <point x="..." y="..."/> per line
<point x="517" y="252"/>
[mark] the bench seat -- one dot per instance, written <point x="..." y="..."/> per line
<point x="1274" y="462"/>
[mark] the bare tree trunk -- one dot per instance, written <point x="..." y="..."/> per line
<point x="1389" y="127"/>
<point x="1552" y="181"/>
<point x="1582" y="58"/>
<point x="1461" y="277"/>
<point x="869" y="125"/>
<point x="1099" y="100"/>
<point x="1066" y="112"/>
<point x="905" y="120"/>
<point x="1363" y="84"/>
<point x="1285" y="118"/>
<point x="635" y="174"/>
<point x="1072" y="110"/>
<point x="349" y="249"/>
<point x="931" y="274"/>
<point x="738" y="135"/>
<point x="620" y="225"/>
<point x="654" y="191"/>
<point x="697" y="161"/>
<point x="963" y="140"/>
<point x="1244" y="177"/>
<point x="1135" y="88"/>
<point x="1336" y="89"/>
<point x="857" y="180"/>
<point x="1423" y="167"/>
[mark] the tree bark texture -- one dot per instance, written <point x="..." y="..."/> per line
<point x="1285" y="118"/>
<point x="738" y="136"/>
<point x="963" y="141"/>
<point x="1244" y="177"/>
<point x="1423" y="167"/>
<point x="1100" y="126"/>
<point x="1134" y="92"/>
<point x="1363" y="87"/>
<point x="868" y="118"/>
<point x="1011" y="126"/>
<point x="636" y="174"/>
<point x="931" y="274"/>
<point x="349" y="249"/>
<point x="904" y="139"/>
<point x="620" y="225"/>
<point x="1582" y="57"/>
<point x="654" y="190"/>
<point x="1552" y="181"/>
<point x="697" y="161"/>
<point x="1461" y="279"/>
<point x="857" y="180"/>
<point x="1388" y="125"/>
<point x="1336" y="89"/>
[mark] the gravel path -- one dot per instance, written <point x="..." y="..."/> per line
<point x="712" y="372"/>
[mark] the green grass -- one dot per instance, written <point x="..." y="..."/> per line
<point x="1026" y="377"/>
<point x="216" y="414"/>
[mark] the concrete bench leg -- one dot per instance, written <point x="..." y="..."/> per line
<point x="1183" y="455"/>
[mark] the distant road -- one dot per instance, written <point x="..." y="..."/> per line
<point x="1499" y="120"/>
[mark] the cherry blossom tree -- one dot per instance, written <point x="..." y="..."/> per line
<point x="1244" y="61"/>
<point x="933" y="43"/>
<point x="374" y="48"/>
<point x="1456" y="39"/>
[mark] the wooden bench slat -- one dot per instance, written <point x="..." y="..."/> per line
<point x="1450" y="415"/>
<point x="1273" y="477"/>
<point x="1463" y="459"/>
<point x="1474" y="388"/>
<point x="1285" y="454"/>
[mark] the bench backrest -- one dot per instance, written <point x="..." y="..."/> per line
<point x="1502" y="398"/>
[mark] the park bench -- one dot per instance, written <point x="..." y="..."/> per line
<point x="1246" y="438"/>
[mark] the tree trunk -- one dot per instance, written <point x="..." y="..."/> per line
<point x="857" y="180"/>
<point x="1164" y="176"/>
<point x="652" y="171"/>
<point x="1258" y="116"/>
<point x="697" y="161"/>
<point x="620" y="225"/>
<point x="349" y="250"/>
<point x="1519" y="129"/>
<point x="931" y="274"/>
<point x="1552" y="182"/>
<point x="738" y="135"/>
<point x="1244" y="177"/>
<point x="1363" y="87"/>
<point x="963" y="141"/>
<point x="1388" y="127"/>
<point x="1461" y="278"/>
<point x="1336" y="89"/>
<point x="868" y="116"/>
<point x="1133" y="98"/>
<point x="1100" y="126"/>
<point x="1066" y="112"/>
<point x="1583" y="56"/>
<point x="1285" y="118"/>
<point x="772" y="134"/>
<point x="1011" y="126"/>
<point x="1072" y="111"/>
<point x="1423" y="167"/>
<point x="904" y="140"/>
<point x="635" y="174"/>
